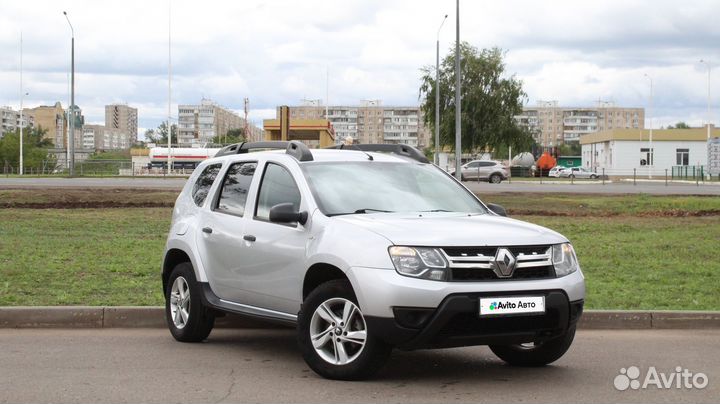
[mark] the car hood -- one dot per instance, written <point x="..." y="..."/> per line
<point x="453" y="229"/>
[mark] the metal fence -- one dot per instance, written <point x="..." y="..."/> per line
<point x="94" y="168"/>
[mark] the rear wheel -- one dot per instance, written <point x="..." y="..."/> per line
<point x="535" y="354"/>
<point x="187" y="318"/>
<point x="593" y="176"/>
<point x="333" y="336"/>
<point x="496" y="178"/>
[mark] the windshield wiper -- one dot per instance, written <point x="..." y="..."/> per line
<point x="367" y="210"/>
<point x="435" y="210"/>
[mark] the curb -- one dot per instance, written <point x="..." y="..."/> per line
<point x="154" y="317"/>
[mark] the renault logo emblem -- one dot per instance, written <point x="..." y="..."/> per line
<point x="504" y="264"/>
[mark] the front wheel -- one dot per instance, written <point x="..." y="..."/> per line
<point x="535" y="354"/>
<point x="187" y="318"/>
<point x="333" y="336"/>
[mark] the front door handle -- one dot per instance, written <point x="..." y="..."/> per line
<point x="249" y="237"/>
<point x="207" y="230"/>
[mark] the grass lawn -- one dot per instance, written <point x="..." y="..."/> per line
<point x="82" y="256"/>
<point x="633" y="254"/>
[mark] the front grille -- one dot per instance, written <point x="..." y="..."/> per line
<point x="478" y="263"/>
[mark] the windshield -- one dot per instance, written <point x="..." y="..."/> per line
<point x="370" y="187"/>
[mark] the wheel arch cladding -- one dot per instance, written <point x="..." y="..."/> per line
<point x="173" y="257"/>
<point x="320" y="273"/>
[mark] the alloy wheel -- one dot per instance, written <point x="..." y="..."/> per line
<point x="338" y="331"/>
<point x="180" y="302"/>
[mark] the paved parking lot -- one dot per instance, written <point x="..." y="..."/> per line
<point x="263" y="365"/>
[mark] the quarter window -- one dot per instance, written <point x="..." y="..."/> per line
<point x="204" y="182"/>
<point x="235" y="187"/>
<point x="277" y="187"/>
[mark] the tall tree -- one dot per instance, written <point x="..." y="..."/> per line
<point x="160" y="135"/>
<point x="232" y="136"/>
<point x="35" y="149"/>
<point x="490" y="101"/>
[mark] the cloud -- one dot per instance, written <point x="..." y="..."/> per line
<point x="278" y="52"/>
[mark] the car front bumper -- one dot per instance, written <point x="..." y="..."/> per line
<point x="415" y="313"/>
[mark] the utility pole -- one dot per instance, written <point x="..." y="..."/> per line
<point x="437" y="93"/>
<point x="169" y="124"/>
<point x="247" y="127"/>
<point x="707" y="63"/>
<point x="651" y="159"/>
<point x="22" y="92"/>
<point x="458" y="129"/>
<point x="71" y="135"/>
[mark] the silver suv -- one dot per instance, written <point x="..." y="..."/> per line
<point x="364" y="249"/>
<point x="488" y="170"/>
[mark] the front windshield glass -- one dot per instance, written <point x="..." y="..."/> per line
<point x="368" y="187"/>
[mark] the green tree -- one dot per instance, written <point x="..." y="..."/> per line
<point x="35" y="149"/>
<point x="569" y="149"/>
<point x="232" y="136"/>
<point x="679" y="125"/>
<point x="159" y="135"/>
<point x="490" y="101"/>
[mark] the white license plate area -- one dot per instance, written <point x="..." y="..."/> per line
<point x="498" y="306"/>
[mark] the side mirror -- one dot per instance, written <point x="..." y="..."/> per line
<point x="286" y="213"/>
<point x="497" y="209"/>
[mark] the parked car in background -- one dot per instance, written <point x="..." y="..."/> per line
<point x="555" y="171"/>
<point x="487" y="170"/>
<point x="578" y="172"/>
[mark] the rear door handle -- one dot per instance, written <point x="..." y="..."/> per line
<point x="207" y="230"/>
<point x="249" y="237"/>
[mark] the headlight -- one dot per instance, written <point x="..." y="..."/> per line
<point x="564" y="259"/>
<point x="419" y="262"/>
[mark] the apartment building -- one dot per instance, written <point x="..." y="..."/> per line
<point x="99" y="137"/>
<point x="553" y="125"/>
<point x="201" y="123"/>
<point x="52" y="119"/>
<point x="10" y="120"/>
<point x="123" y="118"/>
<point x="369" y="122"/>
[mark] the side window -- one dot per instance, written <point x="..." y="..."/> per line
<point x="235" y="187"/>
<point x="204" y="182"/>
<point x="472" y="165"/>
<point x="486" y="164"/>
<point x="277" y="186"/>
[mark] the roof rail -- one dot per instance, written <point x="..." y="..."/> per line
<point x="294" y="148"/>
<point x="399" y="149"/>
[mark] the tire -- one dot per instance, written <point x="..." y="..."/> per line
<point x="361" y="362"/>
<point x="495" y="179"/>
<point x="571" y="176"/>
<point x="593" y="176"/>
<point x="462" y="178"/>
<point x="199" y="321"/>
<point x="538" y="355"/>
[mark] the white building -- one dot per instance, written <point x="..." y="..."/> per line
<point x="624" y="151"/>
<point x="99" y="137"/>
<point x="198" y="124"/>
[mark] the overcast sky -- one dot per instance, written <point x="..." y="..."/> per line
<point x="277" y="51"/>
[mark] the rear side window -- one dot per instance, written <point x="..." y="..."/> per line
<point x="277" y="187"/>
<point x="204" y="182"/>
<point x="236" y="185"/>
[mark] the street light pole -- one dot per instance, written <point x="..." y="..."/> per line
<point x="437" y="93"/>
<point x="707" y="63"/>
<point x="458" y="130"/>
<point x="22" y="92"/>
<point x="169" y="124"/>
<point x="651" y="160"/>
<point x="71" y="135"/>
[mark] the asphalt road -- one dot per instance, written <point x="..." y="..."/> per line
<point x="658" y="188"/>
<point x="147" y="365"/>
